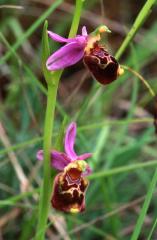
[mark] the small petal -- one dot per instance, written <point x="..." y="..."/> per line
<point x="87" y="172"/>
<point x="66" y="56"/>
<point x="84" y="31"/>
<point x="70" y="141"/>
<point x="80" y="39"/>
<point x="40" y="155"/>
<point x="84" y="156"/>
<point x="59" y="38"/>
<point x="59" y="160"/>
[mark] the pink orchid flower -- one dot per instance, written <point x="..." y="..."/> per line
<point x="103" y="66"/>
<point x="69" y="185"/>
<point x="69" y="188"/>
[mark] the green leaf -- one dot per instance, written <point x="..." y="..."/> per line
<point x="31" y="30"/>
<point x="142" y="16"/>
<point x="145" y="207"/>
<point x="45" y="51"/>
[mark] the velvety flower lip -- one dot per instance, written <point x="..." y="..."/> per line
<point x="69" y="195"/>
<point x="60" y="160"/>
<point x="69" y="54"/>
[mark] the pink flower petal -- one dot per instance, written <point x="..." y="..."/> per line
<point x="84" y="156"/>
<point x="87" y="172"/>
<point x="59" y="38"/>
<point x="40" y="155"/>
<point x="66" y="56"/>
<point x="81" y="39"/>
<point x="59" y="160"/>
<point x="84" y="31"/>
<point x="70" y="141"/>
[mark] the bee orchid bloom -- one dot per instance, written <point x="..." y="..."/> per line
<point x="96" y="58"/>
<point x="70" y="184"/>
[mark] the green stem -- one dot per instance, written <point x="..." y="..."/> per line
<point x="137" y="24"/>
<point x="143" y="80"/>
<point x="44" y="204"/>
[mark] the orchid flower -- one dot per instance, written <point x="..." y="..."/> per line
<point x="69" y="185"/>
<point x="88" y="47"/>
<point x="69" y="188"/>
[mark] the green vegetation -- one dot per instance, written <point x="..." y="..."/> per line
<point x="115" y="121"/>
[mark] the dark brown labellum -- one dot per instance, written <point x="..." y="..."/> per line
<point x="101" y="64"/>
<point x="69" y="191"/>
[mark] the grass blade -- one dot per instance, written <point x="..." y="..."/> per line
<point x="144" y="209"/>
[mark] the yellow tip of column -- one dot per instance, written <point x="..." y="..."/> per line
<point x="120" y="71"/>
<point x="74" y="210"/>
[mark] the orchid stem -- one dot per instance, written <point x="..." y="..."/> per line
<point x="46" y="189"/>
<point x="140" y="77"/>
<point x="44" y="204"/>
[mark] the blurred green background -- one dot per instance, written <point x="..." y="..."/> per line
<point x="115" y="122"/>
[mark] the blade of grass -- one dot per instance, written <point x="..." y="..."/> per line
<point x="21" y="145"/>
<point x="31" y="29"/>
<point x="145" y="11"/>
<point x="80" y="129"/>
<point x="152" y="230"/>
<point x="13" y="200"/>
<point x="145" y="207"/>
<point x="123" y="169"/>
<point x="33" y="78"/>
